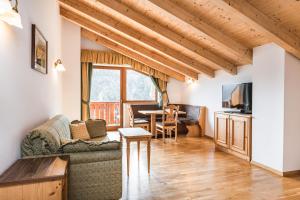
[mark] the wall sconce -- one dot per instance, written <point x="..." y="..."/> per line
<point x="10" y="14"/>
<point x="59" y="66"/>
<point x="189" y="80"/>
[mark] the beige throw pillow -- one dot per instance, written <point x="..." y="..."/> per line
<point x="79" y="131"/>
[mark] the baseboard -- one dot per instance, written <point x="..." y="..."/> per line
<point x="291" y="173"/>
<point x="275" y="171"/>
<point x="232" y="152"/>
<point x="208" y="137"/>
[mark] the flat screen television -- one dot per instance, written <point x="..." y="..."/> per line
<point x="238" y="97"/>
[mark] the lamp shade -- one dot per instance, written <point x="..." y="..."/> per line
<point x="12" y="18"/>
<point x="59" y="66"/>
<point x="189" y="80"/>
<point x="5" y="6"/>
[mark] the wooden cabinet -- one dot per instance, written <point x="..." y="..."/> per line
<point x="35" y="178"/>
<point x="222" y="129"/>
<point x="233" y="134"/>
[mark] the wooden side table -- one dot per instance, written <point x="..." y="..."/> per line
<point x="35" y="178"/>
<point x="136" y="135"/>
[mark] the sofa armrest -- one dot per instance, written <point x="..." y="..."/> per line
<point x="95" y="156"/>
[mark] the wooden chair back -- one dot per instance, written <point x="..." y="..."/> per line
<point x="131" y="116"/>
<point x="170" y="114"/>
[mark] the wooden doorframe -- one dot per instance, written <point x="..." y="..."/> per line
<point x="123" y="88"/>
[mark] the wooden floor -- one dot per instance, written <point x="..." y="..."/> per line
<point x="191" y="169"/>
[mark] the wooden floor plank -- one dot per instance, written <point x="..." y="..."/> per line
<point x="191" y="169"/>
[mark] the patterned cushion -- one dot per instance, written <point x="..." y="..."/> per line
<point x="76" y="121"/>
<point x="79" y="131"/>
<point x="96" y="127"/>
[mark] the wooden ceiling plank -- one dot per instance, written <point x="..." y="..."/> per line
<point x="83" y="22"/>
<point x="276" y="33"/>
<point x="184" y="61"/>
<point x="206" y="56"/>
<point x="207" y="31"/>
<point x="131" y="54"/>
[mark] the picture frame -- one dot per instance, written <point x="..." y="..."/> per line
<point x="39" y="51"/>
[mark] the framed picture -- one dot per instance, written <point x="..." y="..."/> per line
<point x="39" y="51"/>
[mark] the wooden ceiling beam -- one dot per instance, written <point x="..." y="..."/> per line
<point x="94" y="27"/>
<point x="131" y="54"/>
<point x="264" y="24"/>
<point x="170" y="53"/>
<point x="207" y="31"/>
<point x="207" y="57"/>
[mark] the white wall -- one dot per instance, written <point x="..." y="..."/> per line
<point x="207" y="92"/>
<point x="88" y="44"/>
<point x="268" y="106"/>
<point x="71" y="77"/>
<point x="27" y="97"/>
<point x="276" y="110"/>
<point x="291" y="114"/>
<point x="72" y="43"/>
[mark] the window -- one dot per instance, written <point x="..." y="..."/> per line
<point x="108" y="86"/>
<point x="105" y="85"/>
<point x="105" y="96"/>
<point x="139" y="87"/>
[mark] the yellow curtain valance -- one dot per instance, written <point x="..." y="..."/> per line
<point x="105" y="57"/>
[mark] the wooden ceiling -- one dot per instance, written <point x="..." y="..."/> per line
<point x="184" y="38"/>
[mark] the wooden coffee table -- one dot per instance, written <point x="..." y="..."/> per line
<point x="136" y="135"/>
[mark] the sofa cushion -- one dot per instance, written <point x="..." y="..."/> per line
<point x="188" y="121"/>
<point x="96" y="127"/>
<point x="76" y="121"/>
<point x="79" y="131"/>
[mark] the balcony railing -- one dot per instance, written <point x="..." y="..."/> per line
<point x="109" y="111"/>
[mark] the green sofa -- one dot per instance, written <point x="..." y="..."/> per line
<point x="95" y="170"/>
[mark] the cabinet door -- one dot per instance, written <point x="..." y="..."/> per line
<point x="239" y="133"/>
<point x="222" y="129"/>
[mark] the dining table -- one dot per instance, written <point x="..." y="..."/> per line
<point x="153" y="114"/>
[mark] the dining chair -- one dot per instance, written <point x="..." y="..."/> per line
<point x="168" y="123"/>
<point x="137" y="122"/>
